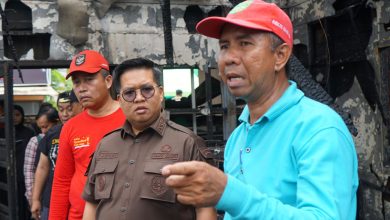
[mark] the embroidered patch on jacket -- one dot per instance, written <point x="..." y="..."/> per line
<point x="80" y="59"/>
<point x="206" y="152"/>
<point x="166" y="148"/>
<point x="161" y="125"/>
<point x="164" y="153"/>
<point x="107" y="155"/>
<point x="158" y="185"/>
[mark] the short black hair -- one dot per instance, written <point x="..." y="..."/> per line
<point x="51" y="114"/>
<point x="136" y="63"/>
<point x="21" y="110"/>
<point x="63" y="97"/>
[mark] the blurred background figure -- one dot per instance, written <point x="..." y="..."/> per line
<point x="22" y="132"/>
<point x="76" y="105"/>
<point x="46" y="118"/>
<point x="22" y="136"/>
<point x="68" y="107"/>
<point x="42" y="108"/>
<point x="179" y="95"/>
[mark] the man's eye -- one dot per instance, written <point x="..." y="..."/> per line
<point x="129" y="92"/>
<point x="244" y="43"/>
<point x="223" y="46"/>
<point x="147" y="89"/>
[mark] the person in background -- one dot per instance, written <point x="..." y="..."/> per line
<point x="22" y="133"/>
<point x="79" y="136"/>
<point x="43" y="107"/>
<point x="65" y="109"/>
<point x="46" y="118"/>
<point x="68" y="107"/>
<point x="291" y="157"/>
<point x="125" y="169"/>
<point x="22" y="136"/>
<point x="76" y="105"/>
<point x="179" y="95"/>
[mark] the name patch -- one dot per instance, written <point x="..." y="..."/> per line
<point x="107" y="155"/>
<point x="165" y="156"/>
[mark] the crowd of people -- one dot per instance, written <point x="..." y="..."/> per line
<point x="28" y="141"/>
<point x="99" y="157"/>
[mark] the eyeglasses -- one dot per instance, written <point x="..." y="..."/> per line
<point x="147" y="92"/>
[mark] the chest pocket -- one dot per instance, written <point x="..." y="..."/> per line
<point x="104" y="177"/>
<point x="154" y="187"/>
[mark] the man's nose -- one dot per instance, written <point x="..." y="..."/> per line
<point x="230" y="56"/>
<point x="138" y="96"/>
<point x="67" y="113"/>
<point x="81" y="87"/>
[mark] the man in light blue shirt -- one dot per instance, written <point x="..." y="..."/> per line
<point x="291" y="157"/>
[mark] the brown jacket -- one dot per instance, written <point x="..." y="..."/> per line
<point x="125" y="179"/>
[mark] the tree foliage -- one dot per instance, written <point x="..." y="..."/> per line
<point x="59" y="84"/>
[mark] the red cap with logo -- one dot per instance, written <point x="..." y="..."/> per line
<point x="253" y="14"/>
<point x="88" y="61"/>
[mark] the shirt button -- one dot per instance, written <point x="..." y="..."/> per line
<point x="248" y="149"/>
<point x="123" y="209"/>
<point x="137" y="140"/>
<point x="131" y="162"/>
<point x="127" y="185"/>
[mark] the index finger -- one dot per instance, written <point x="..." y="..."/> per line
<point x="181" y="168"/>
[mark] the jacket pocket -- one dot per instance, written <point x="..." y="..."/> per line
<point x="105" y="174"/>
<point x="154" y="183"/>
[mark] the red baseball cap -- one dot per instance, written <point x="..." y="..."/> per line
<point x="88" y="61"/>
<point x="253" y="14"/>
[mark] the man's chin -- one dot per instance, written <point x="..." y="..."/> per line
<point x="238" y="94"/>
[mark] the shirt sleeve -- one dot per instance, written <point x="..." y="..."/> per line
<point x="326" y="185"/>
<point x="43" y="145"/>
<point x="198" y="149"/>
<point x="37" y="156"/>
<point x="29" y="166"/>
<point x="63" y="174"/>
<point x="89" y="189"/>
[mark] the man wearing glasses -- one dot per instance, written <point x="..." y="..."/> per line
<point x="80" y="135"/>
<point x="124" y="179"/>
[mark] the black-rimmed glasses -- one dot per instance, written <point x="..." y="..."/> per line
<point x="146" y="91"/>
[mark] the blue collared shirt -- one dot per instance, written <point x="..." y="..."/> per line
<point x="297" y="161"/>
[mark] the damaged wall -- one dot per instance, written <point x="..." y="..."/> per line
<point x="344" y="44"/>
<point x="128" y="29"/>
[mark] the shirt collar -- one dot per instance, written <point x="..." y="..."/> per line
<point x="290" y="97"/>
<point x="158" y="125"/>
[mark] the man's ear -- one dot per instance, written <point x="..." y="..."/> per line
<point x="282" y="55"/>
<point x="108" y="81"/>
<point x="161" y="93"/>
